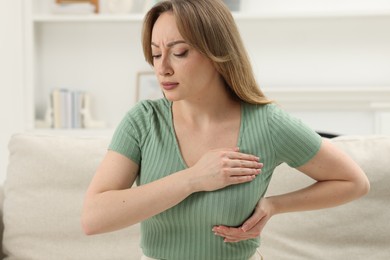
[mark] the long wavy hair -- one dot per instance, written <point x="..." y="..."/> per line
<point x="209" y="27"/>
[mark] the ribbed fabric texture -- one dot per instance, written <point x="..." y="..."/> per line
<point x="146" y="136"/>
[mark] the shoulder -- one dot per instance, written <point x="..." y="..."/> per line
<point x="139" y="117"/>
<point x="149" y="106"/>
<point x="134" y="129"/>
<point x="260" y="107"/>
<point x="272" y="113"/>
<point x="265" y="111"/>
<point x="144" y="110"/>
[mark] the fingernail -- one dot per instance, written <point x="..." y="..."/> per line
<point x="261" y="165"/>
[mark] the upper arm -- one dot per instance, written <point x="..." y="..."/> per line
<point x="292" y="140"/>
<point x="330" y="163"/>
<point x="115" y="172"/>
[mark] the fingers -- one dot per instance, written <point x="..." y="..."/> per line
<point x="251" y="228"/>
<point x="238" y="176"/>
<point x="242" y="161"/>
<point x="231" y="235"/>
<point x="242" y="173"/>
<point x="252" y="221"/>
<point x="241" y="179"/>
<point x="226" y="166"/>
<point x="261" y="214"/>
<point x="240" y="167"/>
<point x="244" y="164"/>
<point x="243" y="170"/>
<point x="234" y="154"/>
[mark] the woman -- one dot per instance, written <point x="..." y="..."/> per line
<point x="203" y="156"/>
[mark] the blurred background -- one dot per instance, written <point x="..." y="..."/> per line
<point x="74" y="67"/>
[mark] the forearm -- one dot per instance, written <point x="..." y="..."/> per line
<point x="109" y="205"/>
<point x="339" y="180"/>
<point x="116" y="209"/>
<point x="322" y="194"/>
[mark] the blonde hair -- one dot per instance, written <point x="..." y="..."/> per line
<point x="209" y="27"/>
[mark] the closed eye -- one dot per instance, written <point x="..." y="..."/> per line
<point x="182" y="54"/>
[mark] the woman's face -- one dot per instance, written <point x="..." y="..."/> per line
<point x="183" y="72"/>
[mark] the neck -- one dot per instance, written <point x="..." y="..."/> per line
<point x="210" y="108"/>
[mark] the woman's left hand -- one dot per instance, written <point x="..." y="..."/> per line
<point x="251" y="228"/>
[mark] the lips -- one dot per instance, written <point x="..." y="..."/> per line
<point x="169" y="85"/>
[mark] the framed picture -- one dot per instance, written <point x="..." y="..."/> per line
<point x="147" y="86"/>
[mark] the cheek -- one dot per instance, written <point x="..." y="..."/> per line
<point x="187" y="70"/>
<point x="196" y="66"/>
<point x="196" y="69"/>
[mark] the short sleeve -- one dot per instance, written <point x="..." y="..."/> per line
<point x="294" y="142"/>
<point x="131" y="132"/>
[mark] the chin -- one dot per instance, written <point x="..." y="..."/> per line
<point x="172" y="97"/>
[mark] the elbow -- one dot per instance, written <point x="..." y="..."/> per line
<point x="366" y="187"/>
<point x="87" y="230"/>
<point x="89" y="218"/>
<point x="87" y="225"/>
<point x="362" y="185"/>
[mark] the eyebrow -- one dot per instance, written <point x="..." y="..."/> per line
<point x="170" y="44"/>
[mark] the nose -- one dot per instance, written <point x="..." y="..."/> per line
<point x="165" y="67"/>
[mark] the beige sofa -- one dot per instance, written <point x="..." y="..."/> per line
<point x="47" y="177"/>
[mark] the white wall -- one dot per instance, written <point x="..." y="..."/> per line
<point x="258" y="6"/>
<point x="323" y="44"/>
<point x="321" y="52"/>
<point x="11" y="94"/>
<point x="288" y="53"/>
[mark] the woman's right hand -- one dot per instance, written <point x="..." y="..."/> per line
<point x="223" y="167"/>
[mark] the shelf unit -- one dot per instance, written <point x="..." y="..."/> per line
<point x="81" y="36"/>
<point x="101" y="53"/>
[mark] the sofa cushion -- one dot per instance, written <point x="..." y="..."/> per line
<point x="48" y="176"/>
<point x="357" y="230"/>
<point x="46" y="181"/>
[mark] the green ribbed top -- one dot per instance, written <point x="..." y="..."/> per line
<point x="184" y="232"/>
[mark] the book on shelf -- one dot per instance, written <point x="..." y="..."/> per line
<point x="69" y="110"/>
<point x="67" y="107"/>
